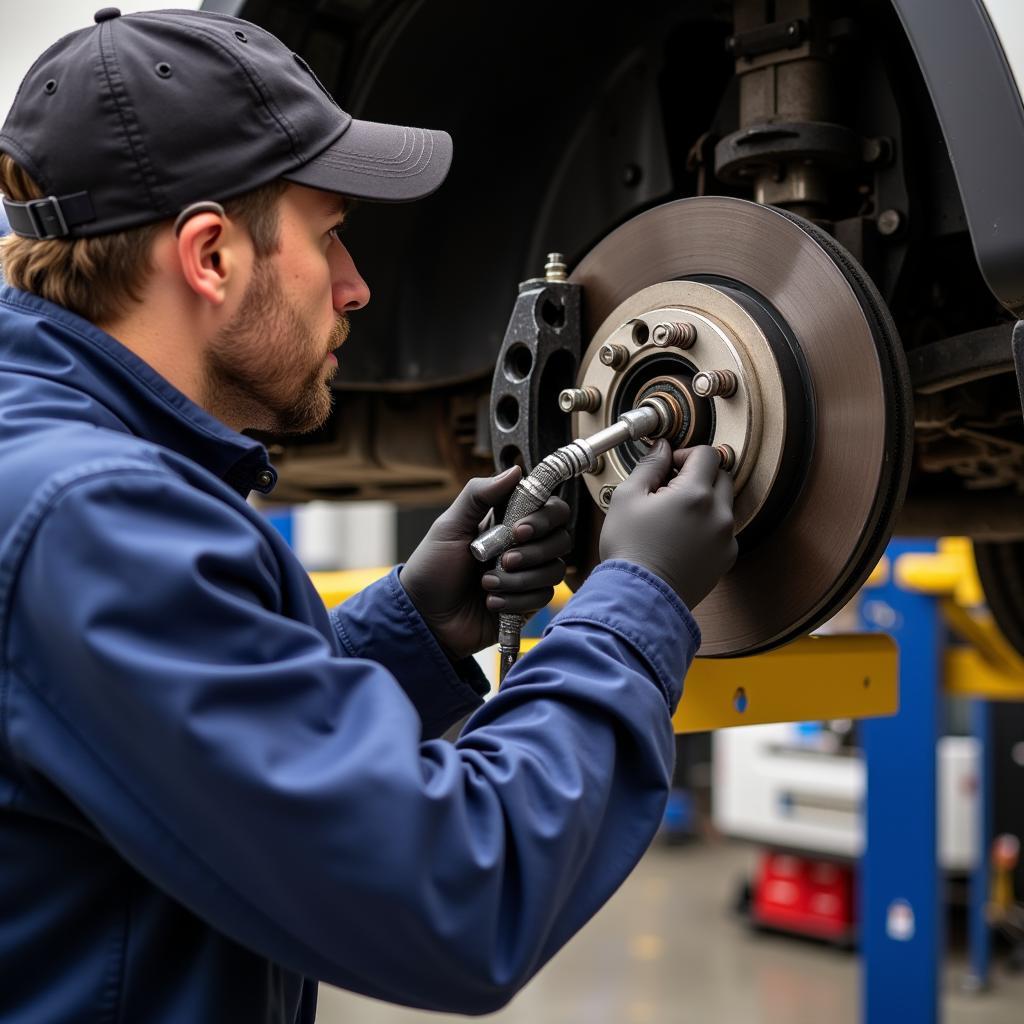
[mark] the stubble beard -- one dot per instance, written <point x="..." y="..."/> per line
<point x="253" y="378"/>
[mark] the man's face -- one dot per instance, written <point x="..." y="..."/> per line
<point x="271" y="366"/>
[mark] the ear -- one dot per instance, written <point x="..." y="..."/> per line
<point x="207" y="252"/>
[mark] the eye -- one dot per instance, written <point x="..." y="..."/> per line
<point x="335" y="231"/>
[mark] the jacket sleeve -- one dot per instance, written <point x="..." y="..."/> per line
<point x="283" y="794"/>
<point x="382" y="624"/>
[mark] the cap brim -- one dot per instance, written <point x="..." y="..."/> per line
<point x="385" y="162"/>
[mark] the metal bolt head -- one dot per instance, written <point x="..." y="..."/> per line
<point x="727" y="456"/>
<point x="889" y="222"/>
<point x="586" y="399"/>
<point x="598" y="468"/>
<point x="605" y="496"/>
<point x="680" y="334"/>
<point x="714" y="383"/>
<point x="615" y="356"/>
<point x="555" y="268"/>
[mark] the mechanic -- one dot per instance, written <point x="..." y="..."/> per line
<point x="213" y="790"/>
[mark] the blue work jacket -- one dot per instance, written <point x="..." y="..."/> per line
<point x="213" y="790"/>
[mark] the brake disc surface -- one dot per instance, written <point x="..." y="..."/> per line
<point x="832" y="514"/>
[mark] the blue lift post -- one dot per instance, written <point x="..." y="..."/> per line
<point x="902" y="925"/>
<point x="979" y="934"/>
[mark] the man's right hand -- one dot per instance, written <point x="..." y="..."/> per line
<point x="680" y="526"/>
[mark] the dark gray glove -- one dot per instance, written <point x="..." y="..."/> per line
<point x="458" y="597"/>
<point x="680" y="526"/>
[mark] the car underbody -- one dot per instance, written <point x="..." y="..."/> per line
<point x="580" y="135"/>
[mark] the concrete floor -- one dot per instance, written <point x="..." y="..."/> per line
<point x="667" y="950"/>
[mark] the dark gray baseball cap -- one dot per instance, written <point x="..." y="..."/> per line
<point x="129" y="121"/>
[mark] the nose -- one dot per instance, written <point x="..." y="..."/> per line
<point x="348" y="289"/>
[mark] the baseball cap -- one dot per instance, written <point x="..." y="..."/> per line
<point x="136" y="117"/>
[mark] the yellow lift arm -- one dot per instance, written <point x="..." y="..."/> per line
<point x="823" y="677"/>
<point x="814" y="678"/>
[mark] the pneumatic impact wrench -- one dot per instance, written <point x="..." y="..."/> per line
<point x="652" y="418"/>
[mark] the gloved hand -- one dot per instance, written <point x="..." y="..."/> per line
<point x="457" y="596"/>
<point x="680" y="526"/>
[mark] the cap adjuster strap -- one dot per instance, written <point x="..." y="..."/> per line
<point x="50" y="217"/>
<point x="44" y="215"/>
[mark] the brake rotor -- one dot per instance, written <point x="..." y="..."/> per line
<point x="819" y="419"/>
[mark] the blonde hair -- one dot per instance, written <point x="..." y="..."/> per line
<point x="99" y="277"/>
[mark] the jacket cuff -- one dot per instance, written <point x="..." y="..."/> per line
<point x="382" y="624"/>
<point x="646" y="613"/>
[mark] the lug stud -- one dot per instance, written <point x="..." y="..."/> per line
<point x="679" y="334"/>
<point x="555" y="269"/>
<point x="714" y="384"/>
<point x="586" y="399"/>
<point x="615" y="356"/>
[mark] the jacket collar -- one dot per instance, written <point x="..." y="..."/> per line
<point x="130" y="391"/>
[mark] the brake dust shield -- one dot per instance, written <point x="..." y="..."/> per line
<point x="824" y="420"/>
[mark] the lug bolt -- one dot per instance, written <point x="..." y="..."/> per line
<point x="615" y="356"/>
<point x="605" y="496"/>
<point x="681" y="335"/>
<point x="714" y="383"/>
<point x="586" y="399"/>
<point x="555" y="268"/>
<point x="598" y="466"/>
<point x="726" y="455"/>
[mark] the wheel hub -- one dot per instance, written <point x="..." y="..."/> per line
<point x="723" y="336"/>
<point x="775" y="345"/>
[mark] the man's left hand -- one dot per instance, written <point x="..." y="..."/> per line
<point x="457" y="596"/>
